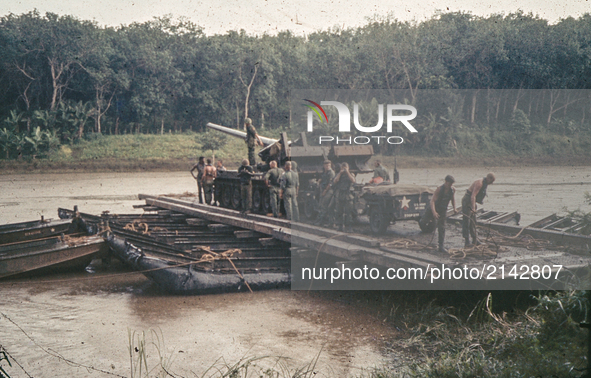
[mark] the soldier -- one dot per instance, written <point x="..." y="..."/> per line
<point x="326" y="193"/>
<point x="380" y="174"/>
<point x="209" y="174"/>
<point x="252" y="139"/>
<point x="439" y="202"/>
<point x="199" y="167"/>
<point x="272" y="181"/>
<point x="220" y="166"/>
<point x="343" y="197"/>
<point x="474" y="194"/>
<point x="289" y="186"/>
<point x="245" y="172"/>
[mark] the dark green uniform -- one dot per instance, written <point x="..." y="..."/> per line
<point x="326" y="184"/>
<point x="289" y="185"/>
<point x="343" y="201"/>
<point x="251" y="137"/>
<point x="200" y="167"/>
<point x="445" y="195"/>
<point x="273" y="176"/>
<point x="245" y="173"/>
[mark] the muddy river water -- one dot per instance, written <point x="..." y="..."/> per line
<point x="78" y="325"/>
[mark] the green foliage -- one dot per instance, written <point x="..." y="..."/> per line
<point x="544" y="341"/>
<point x="165" y="75"/>
<point x="519" y="122"/>
<point x="211" y="141"/>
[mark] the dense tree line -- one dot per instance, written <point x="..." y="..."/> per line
<point x="63" y="78"/>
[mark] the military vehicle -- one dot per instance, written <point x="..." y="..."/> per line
<point x="309" y="160"/>
<point x="385" y="203"/>
<point x="388" y="203"/>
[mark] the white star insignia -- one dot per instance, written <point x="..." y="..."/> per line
<point x="404" y="203"/>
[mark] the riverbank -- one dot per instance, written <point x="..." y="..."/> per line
<point x="179" y="152"/>
<point x="98" y="165"/>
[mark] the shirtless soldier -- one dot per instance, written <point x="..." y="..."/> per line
<point x="209" y="174"/>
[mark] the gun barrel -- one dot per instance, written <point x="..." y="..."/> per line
<point x="238" y="134"/>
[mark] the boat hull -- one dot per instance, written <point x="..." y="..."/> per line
<point x="50" y="254"/>
<point x="186" y="279"/>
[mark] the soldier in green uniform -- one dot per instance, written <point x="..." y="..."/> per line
<point x="289" y="185"/>
<point x="252" y="139"/>
<point x="199" y="167"/>
<point x="438" y="207"/>
<point x="343" y="196"/>
<point x="272" y="181"/>
<point x="245" y="172"/>
<point x="326" y="193"/>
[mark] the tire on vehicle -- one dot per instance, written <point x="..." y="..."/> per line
<point x="378" y="221"/>
<point x="236" y="197"/>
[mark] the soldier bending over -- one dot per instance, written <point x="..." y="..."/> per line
<point x="474" y="194"/>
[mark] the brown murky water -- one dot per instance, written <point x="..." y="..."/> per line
<point x="84" y="318"/>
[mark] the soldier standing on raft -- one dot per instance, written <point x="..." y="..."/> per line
<point x="245" y="172"/>
<point x="272" y="181"/>
<point x="209" y="174"/>
<point x="343" y="197"/>
<point x="289" y="186"/>
<point x="474" y="194"/>
<point x="199" y="167"/>
<point x="439" y="202"/>
<point x="326" y="193"/>
<point x="252" y="139"/>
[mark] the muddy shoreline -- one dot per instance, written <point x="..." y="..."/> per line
<point x="167" y="165"/>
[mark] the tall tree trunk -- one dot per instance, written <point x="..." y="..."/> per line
<point x="248" y="87"/>
<point x="473" y="112"/>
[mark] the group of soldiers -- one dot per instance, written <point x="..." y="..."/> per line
<point x="283" y="183"/>
<point x="446" y="193"/>
<point x="335" y="198"/>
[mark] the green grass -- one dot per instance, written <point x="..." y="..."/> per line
<point x="141" y="152"/>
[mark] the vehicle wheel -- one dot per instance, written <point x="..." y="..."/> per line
<point x="257" y="200"/>
<point x="266" y="202"/>
<point x="310" y="207"/>
<point x="427" y="222"/>
<point x="226" y="196"/>
<point x="378" y="221"/>
<point x="236" y="198"/>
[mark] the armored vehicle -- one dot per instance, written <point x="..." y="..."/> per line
<point x="309" y="161"/>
